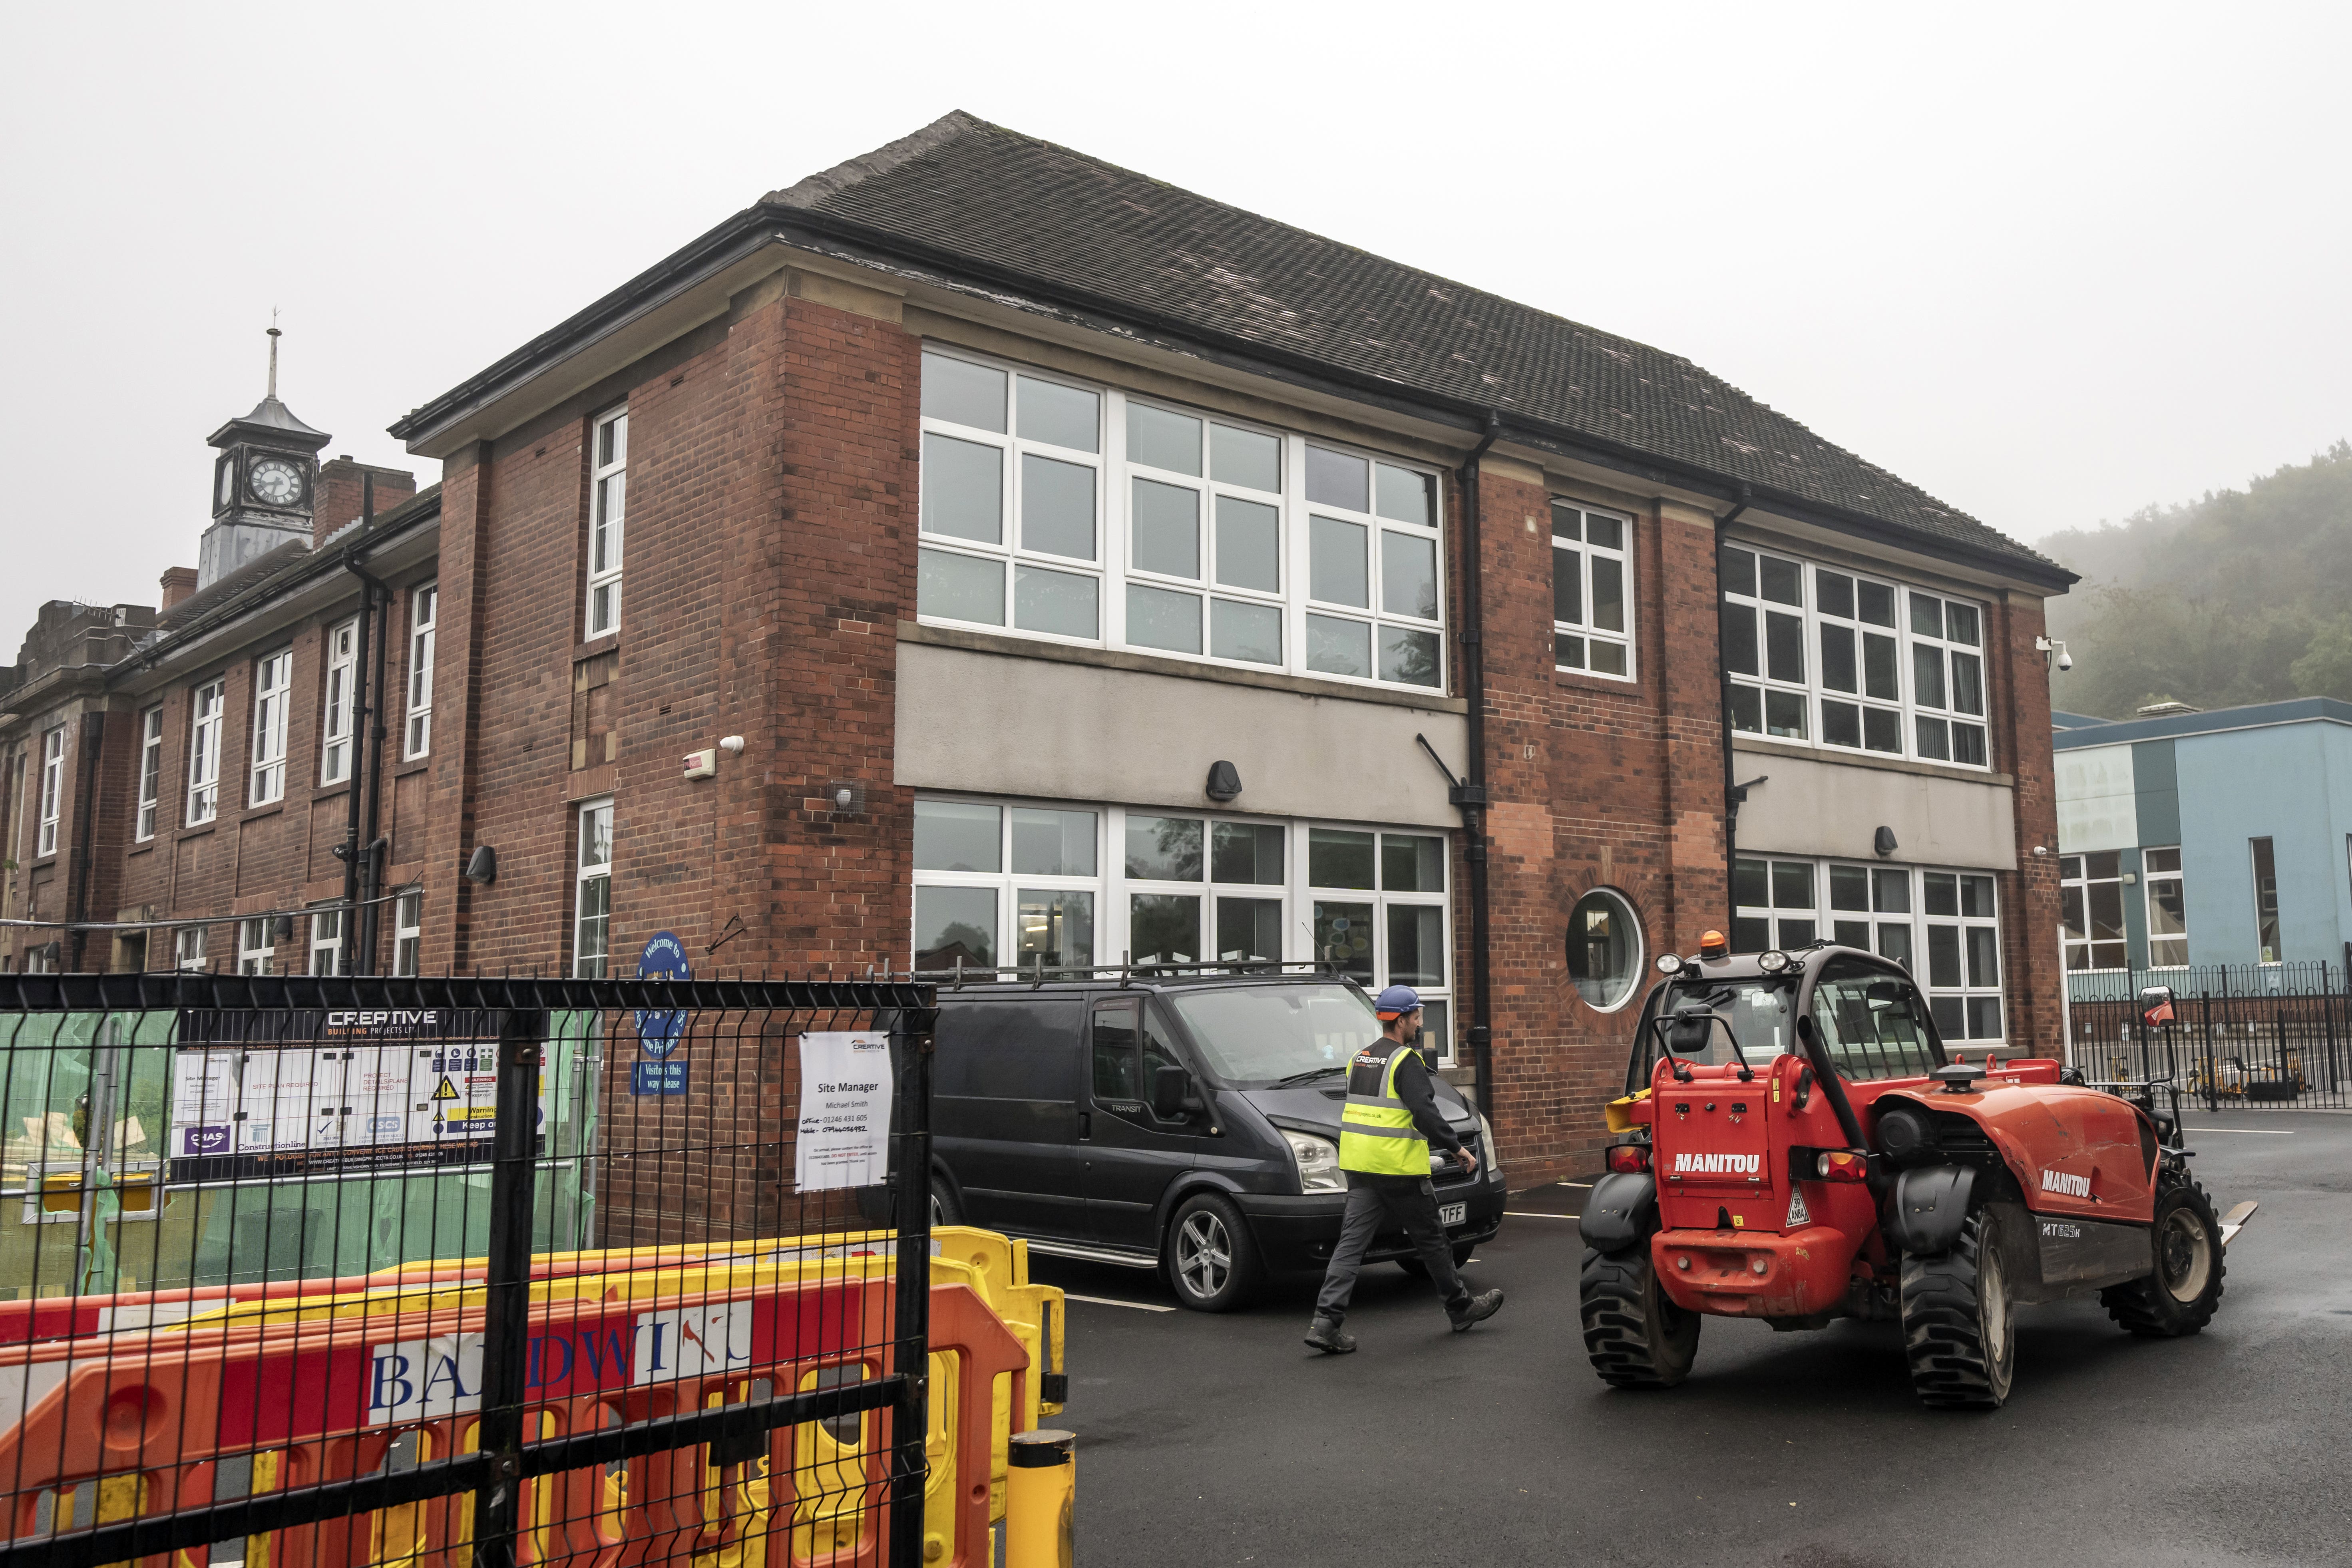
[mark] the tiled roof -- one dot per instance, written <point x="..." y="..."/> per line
<point x="1027" y="209"/>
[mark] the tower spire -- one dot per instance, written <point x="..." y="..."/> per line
<point x="273" y="351"/>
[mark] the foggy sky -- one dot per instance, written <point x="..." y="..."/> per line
<point x="2051" y="264"/>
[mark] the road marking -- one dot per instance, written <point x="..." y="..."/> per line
<point x="1531" y="1213"/>
<point x="1576" y="1183"/>
<point x="2253" y="1131"/>
<point x="1113" y="1301"/>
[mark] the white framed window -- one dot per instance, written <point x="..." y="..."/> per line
<point x="592" y="902"/>
<point x="1852" y="662"/>
<point x="150" y="773"/>
<point x="608" y="506"/>
<point x="273" y="680"/>
<point x="407" y="932"/>
<point x="1591" y="590"/>
<point x="2268" y="940"/>
<point x="205" y="706"/>
<point x="424" y="615"/>
<point x="337" y="716"/>
<point x="1062" y="510"/>
<point x="257" y="947"/>
<point x="327" y="943"/>
<point x="1605" y="949"/>
<point x="1943" y="926"/>
<point x="2091" y="911"/>
<point x="53" y="790"/>
<point x="188" y="947"/>
<point x="1019" y="885"/>
<point x="2168" y="908"/>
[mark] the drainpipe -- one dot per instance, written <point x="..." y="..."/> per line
<point x="1470" y="796"/>
<point x="363" y="698"/>
<point x="92" y="737"/>
<point x="1733" y="795"/>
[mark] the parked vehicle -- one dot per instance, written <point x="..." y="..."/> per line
<point x="1796" y="1145"/>
<point x="1186" y="1121"/>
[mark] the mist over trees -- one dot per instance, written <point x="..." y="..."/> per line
<point x="2240" y="597"/>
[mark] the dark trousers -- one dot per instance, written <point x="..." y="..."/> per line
<point x="1389" y="1203"/>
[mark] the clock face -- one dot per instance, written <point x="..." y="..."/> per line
<point x="275" y="483"/>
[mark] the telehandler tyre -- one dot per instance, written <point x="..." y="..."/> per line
<point x="2181" y="1294"/>
<point x="1958" y="1332"/>
<point x="1636" y="1336"/>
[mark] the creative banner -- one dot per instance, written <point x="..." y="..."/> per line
<point x="845" y="1128"/>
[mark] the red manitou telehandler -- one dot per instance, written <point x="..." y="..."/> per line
<point x="1796" y="1144"/>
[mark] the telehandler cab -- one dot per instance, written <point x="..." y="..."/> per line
<point x="1795" y="1144"/>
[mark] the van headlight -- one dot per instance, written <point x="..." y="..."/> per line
<point x="1319" y="1162"/>
<point x="1486" y="1150"/>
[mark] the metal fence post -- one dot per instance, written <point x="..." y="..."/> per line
<point x="911" y="1420"/>
<point x="505" y="1306"/>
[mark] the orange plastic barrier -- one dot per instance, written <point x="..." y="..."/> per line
<point x="150" y="1422"/>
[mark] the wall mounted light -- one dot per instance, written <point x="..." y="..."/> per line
<point x="1884" y="842"/>
<point x="483" y="867"/>
<point x="1225" y="782"/>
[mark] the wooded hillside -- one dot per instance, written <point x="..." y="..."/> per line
<point x="2240" y="596"/>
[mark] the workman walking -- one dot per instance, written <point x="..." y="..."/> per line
<point x="1385" y="1131"/>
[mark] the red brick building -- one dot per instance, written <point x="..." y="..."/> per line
<point x="958" y="512"/>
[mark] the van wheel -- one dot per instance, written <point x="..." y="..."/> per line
<point x="1959" y="1330"/>
<point x="1210" y="1259"/>
<point x="1633" y="1332"/>
<point x="1415" y="1267"/>
<point x="2182" y="1293"/>
<point x="945" y="1210"/>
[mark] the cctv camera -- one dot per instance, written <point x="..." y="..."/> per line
<point x="2065" y="660"/>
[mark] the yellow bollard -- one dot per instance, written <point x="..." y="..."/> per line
<point x="1039" y="1511"/>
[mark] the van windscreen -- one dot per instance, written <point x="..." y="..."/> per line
<point x="1256" y="1035"/>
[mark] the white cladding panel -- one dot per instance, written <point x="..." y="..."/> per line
<point x="1836" y="809"/>
<point x="2098" y="806"/>
<point x="988" y="723"/>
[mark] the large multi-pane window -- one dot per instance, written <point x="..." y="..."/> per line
<point x="1943" y="926"/>
<point x="53" y="790"/>
<point x="2267" y="938"/>
<point x="407" y="932"/>
<point x="1007" y="885"/>
<point x="326" y="941"/>
<point x="2091" y="911"/>
<point x="592" y="899"/>
<point x="423" y="618"/>
<point x="205" y="750"/>
<point x="1838" y="659"/>
<point x="335" y="718"/>
<point x="273" y="681"/>
<point x="2168" y="908"/>
<point x="1062" y="510"/>
<point x="608" y="505"/>
<point x="151" y="771"/>
<point x="256" y="946"/>
<point x="1591" y="590"/>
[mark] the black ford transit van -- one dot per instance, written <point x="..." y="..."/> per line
<point x="1189" y="1124"/>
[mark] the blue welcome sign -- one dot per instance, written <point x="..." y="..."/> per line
<point x="660" y="1029"/>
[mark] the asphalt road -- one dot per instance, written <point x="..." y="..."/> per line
<point x="1212" y="1440"/>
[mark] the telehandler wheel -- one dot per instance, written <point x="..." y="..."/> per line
<point x="2178" y="1296"/>
<point x="1636" y="1336"/>
<point x="1958" y="1332"/>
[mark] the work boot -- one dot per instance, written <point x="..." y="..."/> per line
<point x="1477" y="1310"/>
<point x="1326" y="1335"/>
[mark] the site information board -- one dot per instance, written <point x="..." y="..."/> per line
<point x="334" y="1089"/>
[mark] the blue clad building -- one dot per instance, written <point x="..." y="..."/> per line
<point x="2205" y="838"/>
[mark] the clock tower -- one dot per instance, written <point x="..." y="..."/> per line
<point x="263" y="484"/>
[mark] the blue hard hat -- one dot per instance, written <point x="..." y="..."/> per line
<point x="1396" y="1001"/>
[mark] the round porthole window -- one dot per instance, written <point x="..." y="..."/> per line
<point x="1604" y="949"/>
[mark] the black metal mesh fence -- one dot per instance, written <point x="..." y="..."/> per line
<point x="361" y="1270"/>
<point x="2277" y="1036"/>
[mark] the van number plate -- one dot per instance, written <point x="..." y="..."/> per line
<point x="1454" y="1214"/>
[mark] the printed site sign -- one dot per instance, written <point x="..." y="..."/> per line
<point x="845" y="1129"/>
<point x="334" y="1089"/>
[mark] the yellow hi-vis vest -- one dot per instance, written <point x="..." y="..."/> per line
<point x="1376" y="1132"/>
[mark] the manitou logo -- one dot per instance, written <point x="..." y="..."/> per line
<point x="2065" y="1185"/>
<point x="1717" y="1165"/>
